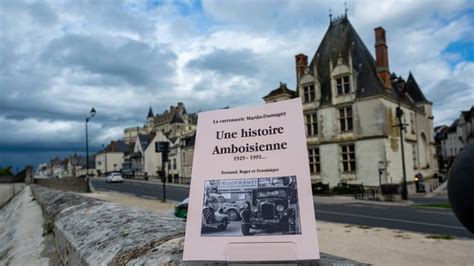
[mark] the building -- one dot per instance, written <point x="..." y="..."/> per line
<point x="58" y="168"/>
<point x="173" y="122"/>
<point x="350" y="104"/>
<point x="174" y="126"/>
<point x="187" y="154"/>
<point x="453" y="138"/>
<point x="111" y="158"/>
<point x="77" y="166"/>
<point x="144" y="161"/>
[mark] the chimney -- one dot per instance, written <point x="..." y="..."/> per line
<point x="381" y="57"/>
<point x="180" y="107"/>
<point x="301" y="61"/>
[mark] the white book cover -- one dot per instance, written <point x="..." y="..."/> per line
<point x="250" y="196"/>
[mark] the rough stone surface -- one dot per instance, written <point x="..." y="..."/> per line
<point x="21" y="240"/>
<point x="93" y="232"/>
<point x="66" y="183"/>
<point x="88" y="231"/>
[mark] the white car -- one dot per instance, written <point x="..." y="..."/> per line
<point x="114" y="178"/>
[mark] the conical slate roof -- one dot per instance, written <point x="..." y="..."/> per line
<point x="338" y="40"/>
<point x="414" y="91"/>
<point x="150" y="113"/>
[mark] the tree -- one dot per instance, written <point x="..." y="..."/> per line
<point x="6" y="171"/>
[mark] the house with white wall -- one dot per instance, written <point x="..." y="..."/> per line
<point x="350" y="102"/>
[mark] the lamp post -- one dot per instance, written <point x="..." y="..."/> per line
<point x="398" y="83"/>
<point x="87" y="140"/>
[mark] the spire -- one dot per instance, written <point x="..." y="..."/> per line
<point x="150" y="113"/>
<point x="330" y="16"/>
<point x="345" y="9"/>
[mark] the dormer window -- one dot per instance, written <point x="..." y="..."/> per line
<point x="308" y="93"/>
<point x="343" y="85"/>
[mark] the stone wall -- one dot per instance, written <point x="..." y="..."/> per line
<point x="7" y="191"/>
<point x="65" y="184"/>
<point x="89" y="231"/>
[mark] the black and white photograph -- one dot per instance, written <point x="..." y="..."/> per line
<point x="251" y="207"/>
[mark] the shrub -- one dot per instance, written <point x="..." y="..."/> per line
<point x="320" y="188"/>
<point x="344" y="189"/>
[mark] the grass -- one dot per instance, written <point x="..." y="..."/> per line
<point x="402" y="236"/>
<point x="443" y="236"/>
<point x="444" y="205"/>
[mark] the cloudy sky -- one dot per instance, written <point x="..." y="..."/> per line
<point x="60" y="58"/>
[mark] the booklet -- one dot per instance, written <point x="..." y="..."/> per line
<point x="250" y="197"/>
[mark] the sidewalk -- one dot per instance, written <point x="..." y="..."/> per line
<point x="338" y="199"/>
<point x="154" y="181"/>
<point x="350" y="199"/>
<point x="378" y="246"/>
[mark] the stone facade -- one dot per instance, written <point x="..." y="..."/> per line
<point x="111" y="158"/>
<point x="452" y="139"/>
<point x="174" y="126"/>
<point x="350" y="103"/>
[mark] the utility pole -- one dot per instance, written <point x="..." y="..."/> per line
<point x="398" y="83"/>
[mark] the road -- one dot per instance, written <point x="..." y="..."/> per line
<point x="422" y="220"/>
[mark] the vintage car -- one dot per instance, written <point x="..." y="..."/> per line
<point x="230" y="208"/>
<point x="214" y="219"/>
<point x="271" y="211"/>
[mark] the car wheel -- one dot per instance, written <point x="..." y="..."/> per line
<point x="233" y="215"/>
<point x="223" y="226"/>
<point x="292" y="225"/>
<point x="246" y="229"/>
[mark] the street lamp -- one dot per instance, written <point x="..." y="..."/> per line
<point x="87" y="140"/>
<point x="398" y="84"/>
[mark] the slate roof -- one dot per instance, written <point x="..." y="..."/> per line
<point x="468" y="114"/>
<point x="339" y="38"/>
<point x="453" y="126"/>
<point x="78" y="160"/>
<point x="144" y="141"/>
<point x="150" y="113"/>
<point x="193" y="118"/>
<point x="189" y="139"/>
<point x="414" y="91"/>
<point x="117" y="146"/>
<point x="177" y="118"/>
<point x="282" y="89"/>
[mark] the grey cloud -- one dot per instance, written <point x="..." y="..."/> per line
<point x="111" y="15"/>
<point x="449" y="97"/>
<point x="265" y="15"/>
<point x="241" y="62"/>
<point x="133" y="61"/>
<point x="42" y="13"/>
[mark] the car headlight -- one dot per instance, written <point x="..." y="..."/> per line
<point x="280" y="208"/>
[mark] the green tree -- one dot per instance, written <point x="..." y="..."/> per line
<point x="6" y="171"/>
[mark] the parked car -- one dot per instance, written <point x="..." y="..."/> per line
<point x="114" y="178"/>
<point x="181" y="210"/>
<point x="232" y="209"/>
<point x="270" y="210"/>
<point x="214" y="219"/>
